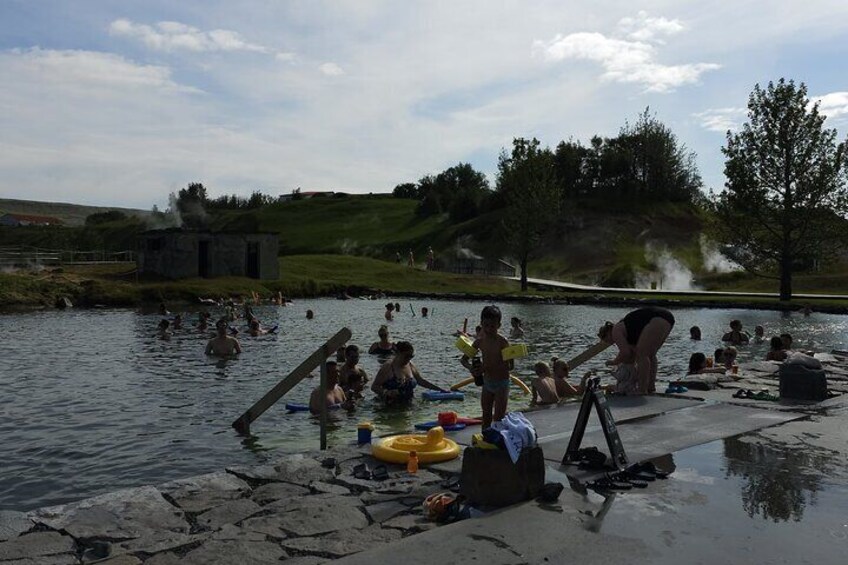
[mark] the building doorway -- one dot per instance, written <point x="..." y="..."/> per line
<point x="203" y="259"/>
<point x="253" y="260"/>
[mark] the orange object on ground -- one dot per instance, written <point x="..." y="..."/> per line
<point x="447" y="418"/>
<point x="412" y="464"/>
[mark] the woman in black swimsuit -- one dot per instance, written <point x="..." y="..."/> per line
<point x="639" y="336"/>
<point x="384" y="346"/>
<point x="396" y="380"/>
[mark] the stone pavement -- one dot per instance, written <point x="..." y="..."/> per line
<point x="306" y="508"/>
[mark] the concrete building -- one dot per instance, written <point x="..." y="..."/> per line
<point x="179" y="254"/>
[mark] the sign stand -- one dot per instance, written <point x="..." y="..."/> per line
<point x="593" y="395"/>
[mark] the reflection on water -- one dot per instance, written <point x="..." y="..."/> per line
<point x="92" y="400"/>
<point x="777" y="482"/>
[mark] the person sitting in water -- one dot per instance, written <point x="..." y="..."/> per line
<point x="736" y="336"/>
<point x="516" y="332"/>
<point x="395" y="381"/>
<point x="255" y="329"/>
<point x="543" y="386"/>
<point x="163" y="310"/>
<point x="728" y="357"/>
<point x="310" y="314"/>
<point x="787" y="342"/>
<point x="203" y="321"/>
<point x="759" y="334"/>
<point x="698" y="365"/>
<point x="384" y="346"/>
<point x="776" y="350"/>
<point x="222" y="345"/>
<point x="695" y="333"/>
<point x="424" y="311"/>
<point x="388" y="314"/>
<point x="164" y="329"/>
<point x="335" y="395"/>
<point x="560" y="374"/>
<point x="352" y="377"/>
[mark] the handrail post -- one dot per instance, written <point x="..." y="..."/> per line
<point x="323" y="389"/>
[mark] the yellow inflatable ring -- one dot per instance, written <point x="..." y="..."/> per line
<point x="431" y="448"/>
<point x="515" y="380"/>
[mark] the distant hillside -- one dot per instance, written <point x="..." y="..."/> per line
<point x="71" y="214"/>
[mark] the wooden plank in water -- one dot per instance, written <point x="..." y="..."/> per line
<point x="242" y="424"/>
<point x="587" y="354"/>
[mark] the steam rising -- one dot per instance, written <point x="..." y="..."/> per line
<point x="714" y="261"/>
<point x="671" y="274"/>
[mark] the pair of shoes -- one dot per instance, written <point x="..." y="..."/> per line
<point x="590" y="458"/>
<point x="609" y="482"/>
<point x="765" y="395"/>
<point x="676" y="389"/>
<point x="646" y="471"/>
<point x="329" y="463"/>
<point x="362" y="472"/>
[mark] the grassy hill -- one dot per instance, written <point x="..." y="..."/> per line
<point x="70" y="214"/>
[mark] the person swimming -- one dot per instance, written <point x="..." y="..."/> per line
<point x="384" y="346"/>
<point x="222" y="345"/>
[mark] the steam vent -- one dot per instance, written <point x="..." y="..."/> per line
<point x="181" y="253"/>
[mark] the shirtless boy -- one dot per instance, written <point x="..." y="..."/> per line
<point x="494" y="369"/>
<point x="543" y="386"/>
<point x="352" y="377"/>
<point x="222" y="345"/>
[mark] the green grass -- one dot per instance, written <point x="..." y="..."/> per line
<point x="360" y="225"/>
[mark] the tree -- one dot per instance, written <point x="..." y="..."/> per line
<point x="527" y="184"/>
<point x="98" y="218"/>
<point x="785" y="197"/>
<point x="406" y="190"/>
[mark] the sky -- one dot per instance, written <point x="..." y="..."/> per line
<point x="119" y="103"/>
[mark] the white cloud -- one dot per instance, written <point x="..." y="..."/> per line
<point x="331" y="69"/>
<point x="286" y="57"/>
<point x="173" y="36"/>
<point x="646" y="28"/>
<point x="833" y="105"/>
<point x="88" y="71"/>
<point x="721" y="119"/>
<point x="623" y="60"/>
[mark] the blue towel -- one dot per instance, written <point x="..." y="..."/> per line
<point x="518" y="433"/>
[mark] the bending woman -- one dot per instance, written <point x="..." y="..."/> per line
<point x="396" y="380"/>
<point x="639" y="336"/>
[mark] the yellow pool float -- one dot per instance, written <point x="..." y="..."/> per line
<point x="431" y="448"/>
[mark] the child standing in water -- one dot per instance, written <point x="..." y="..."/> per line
<point x="494" y="370"/>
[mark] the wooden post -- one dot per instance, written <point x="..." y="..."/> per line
<point x="587" y="354"/>
<point x="242" y="424"/>
<point x="323" y="388"/>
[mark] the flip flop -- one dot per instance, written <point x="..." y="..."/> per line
<point x="762" y="395"/>
<point x="606" y="483"/>
<point x="740" y="393"/>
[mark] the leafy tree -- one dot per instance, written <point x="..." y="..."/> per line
<point x="406" y="190"/>
<point x="191" y="204"/>
<point x="460" y="191"/>
<point x="785" y="197"/>
<point x="527" y="184"/>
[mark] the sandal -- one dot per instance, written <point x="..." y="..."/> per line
<point x="362" y="472"/>
<point x="380" y="473"/>
<point x="607" y="483"/>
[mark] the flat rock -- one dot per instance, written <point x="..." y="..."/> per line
<point x="266" y="525"/>
<point x="234" y="552"/>
<point x="302" y="470"/>
<point x="163" y="559"/>
<point x="157" y="542"/>
<point x="197" y="494"/>
<point x="36" y="545"/>
<point x="411" y="523"/>
<point x="254" y="472"/>
<point x="306" y="560"/>
<point x="344" y="542"/>
<point x="13" y="524"/>
<point x="228" y="513"/>
<point x="124" y="514"/>
<point x="121" y="560"/>
<point x="320" y="486"/>
<point x="382" y="511"/>
<point x="321" y="514"/>
<point x="61" y="559"/>
<point x="277" y="491"/>
<point x="400" y="483"/>
<point x="228" y="532"/>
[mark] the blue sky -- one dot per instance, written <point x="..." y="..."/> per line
<point x="119" y="103"/>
